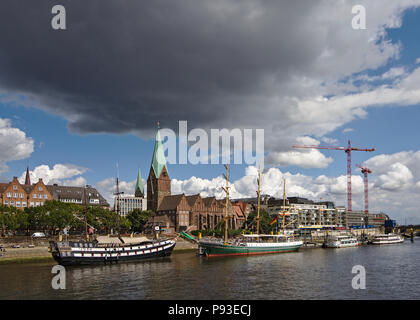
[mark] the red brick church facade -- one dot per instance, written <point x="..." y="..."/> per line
<point x="175" y="213"/>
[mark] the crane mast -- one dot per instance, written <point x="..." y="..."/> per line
<point x="348" y="151"/>
<point x="365" y="172"/>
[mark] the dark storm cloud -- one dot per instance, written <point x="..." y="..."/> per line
<point x="122" y="65"/>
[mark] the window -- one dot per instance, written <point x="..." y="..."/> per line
<point x="40" y="196"/>
<point x="15" y="195"/>
<point x="12" y="203"/>
<point x="35" y="196"/>
<point x="18" y="204"/>
<point x="15" y="187"/>
<point x="9" y="194"/>
<point x="23" y="204"/>
<point x="21" y="195"/>
<point x="45" y="196"/>
<point x="6" y="202"/>
<point x="32" y="204"/>
<point x="40" y="188"/>
<point x="37" y="204"/>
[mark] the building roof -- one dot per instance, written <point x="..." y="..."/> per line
<point x="170" y="202"/>
<point x="192" y="199"/>
<point x="66" y="192"/>
<point x="238" y="212"/>
<point x="208" y="201"/>
<point x="3" y="187"/>
<point x="158" y="160"/>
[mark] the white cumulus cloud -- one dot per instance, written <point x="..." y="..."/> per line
<point x="14" y="144"/>
<point x="57" y="174"/>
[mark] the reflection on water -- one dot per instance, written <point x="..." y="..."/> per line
<point x="391" y="273"/>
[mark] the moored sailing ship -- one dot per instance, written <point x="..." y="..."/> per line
<point x="108" y="250"/>
<point x="249" y="244"/>
<point x="95" y="252"/>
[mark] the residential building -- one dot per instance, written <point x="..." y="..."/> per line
<point x="19" y="195"/>
<point x="14" y="194"/>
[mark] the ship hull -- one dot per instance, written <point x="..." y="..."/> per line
<point x="220" y="250"/>
<point x="388" y="242"/>
<point x="76" y="255"/>
<point x="341" y="245"/>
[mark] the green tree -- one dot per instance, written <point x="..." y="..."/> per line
<point x="59" y="214"/>
<point x="265" y="220"/>
<point x="138" y="219"/>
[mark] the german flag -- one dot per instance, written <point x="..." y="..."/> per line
<point x="274" y="220"/>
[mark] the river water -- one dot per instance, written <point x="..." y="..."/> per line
<point x="392" y="272"/>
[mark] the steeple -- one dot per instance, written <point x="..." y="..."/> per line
<point x="158" y="182"/>
<point x="139" y="191"/>
<point x="158" y="160"/>
<point x="28" y="178"/>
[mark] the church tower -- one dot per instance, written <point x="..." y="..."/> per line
<point x="27" y="178"/>
<point x="138" y="190"/>
<point x="158" y="182"/>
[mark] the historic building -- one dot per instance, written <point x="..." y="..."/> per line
<point x="19" y="195"/>
<point x="175" y="213"/>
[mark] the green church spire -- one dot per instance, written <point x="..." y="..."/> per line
<point x="139" y="191"/>
<point x="158" y="161"/>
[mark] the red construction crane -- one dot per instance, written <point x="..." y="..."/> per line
<point x="347" y="150"/>
<point x="365" y="172"/>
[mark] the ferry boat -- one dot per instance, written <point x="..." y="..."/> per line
<point x="95" y="252"/>
<point x="249" y="245"/>
<point x="342" y="242"/>
<point x="389" y="238"/>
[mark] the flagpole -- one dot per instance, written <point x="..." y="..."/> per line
<point x="284" y="203"/>
<point x="227" y="203"/>
<point x="258" y="205"/>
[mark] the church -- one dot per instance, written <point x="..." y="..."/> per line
<point x="180" y="212"/>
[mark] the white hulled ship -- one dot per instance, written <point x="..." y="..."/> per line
<point x="343" y="241"/>
<point x="389" y="238"/>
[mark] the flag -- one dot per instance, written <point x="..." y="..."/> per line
<point x="273" y="221"/>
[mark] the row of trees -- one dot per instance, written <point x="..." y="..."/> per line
<point x="54" y="216"/>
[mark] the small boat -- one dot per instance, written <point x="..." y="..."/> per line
<point x="389" y="238"/>
<point x="250" y="245"/>
<point x="342" y="242"/>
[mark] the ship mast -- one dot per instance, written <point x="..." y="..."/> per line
<point x="227" y="202"/>
<point x="85" y="212"/>
<point x="117" y="207"/>
<point x="258" y="203"/>
<point x="284" y="202"/>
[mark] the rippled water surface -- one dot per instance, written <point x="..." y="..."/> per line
<point x="392" y="272"/>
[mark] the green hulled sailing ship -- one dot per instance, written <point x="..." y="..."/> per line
<point x="248" y="244"/>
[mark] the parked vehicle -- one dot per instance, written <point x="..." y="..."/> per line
<point x="38" y="235"/>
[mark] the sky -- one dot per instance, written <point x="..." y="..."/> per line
<point x="75" y="102"/>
